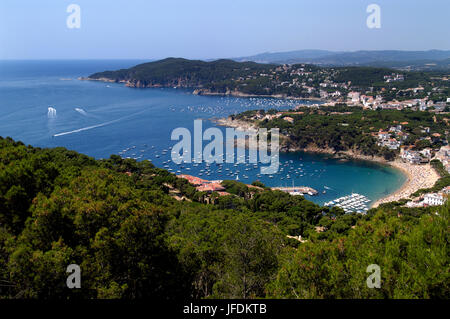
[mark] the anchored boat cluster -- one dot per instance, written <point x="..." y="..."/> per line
<point x="351" y="203"/>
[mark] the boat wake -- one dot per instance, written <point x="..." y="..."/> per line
<point x="51" y="114"/>
<point x="95" y="126"/>
<point x="81" y="111"/>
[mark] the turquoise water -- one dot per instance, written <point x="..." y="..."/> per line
<point x="100" y="119"/>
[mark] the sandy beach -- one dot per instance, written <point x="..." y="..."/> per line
<point x="418" y="176"/>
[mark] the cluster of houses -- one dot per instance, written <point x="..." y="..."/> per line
<point x="310" y="82"/>
<point x="416" y="157"/>
<point x="203" y="185"/>
<point x="377" y="102"/>
<point x="259" y="116"/>
<point x="321" y="83"/>
<point x="425" y="156"/>
<point x="413" y="104"/>
<point x="394" y="77"/>
<point x="439" y="198"/>
<point x="431" y="199"/>
<point x="444" y="156"/>
<point x="208" y="187"/>
<point x="392" y="139"/>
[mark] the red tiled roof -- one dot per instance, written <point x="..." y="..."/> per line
<point x="212" y="187"/>
<point x="253" y="186"/>
<point x="193" y="180"/>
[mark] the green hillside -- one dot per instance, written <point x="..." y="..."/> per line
<point x="119" y="221"/>
<point x="181" y="72"/>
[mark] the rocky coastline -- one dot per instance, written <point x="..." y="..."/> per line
<point x="199" y="91"/>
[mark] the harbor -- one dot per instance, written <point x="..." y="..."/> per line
<point x="352" y="203"/>
<point x="299" y="174"/>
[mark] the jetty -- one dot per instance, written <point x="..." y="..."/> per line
<point x="297" y="190"/>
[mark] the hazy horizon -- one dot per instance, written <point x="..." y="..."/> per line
<point x="204" y="59"/>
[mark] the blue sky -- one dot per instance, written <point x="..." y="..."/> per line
<point x="152" y="29"/>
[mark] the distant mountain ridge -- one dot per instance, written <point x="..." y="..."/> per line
<point x="387" y="58"/>
<point x="281" y="57"/>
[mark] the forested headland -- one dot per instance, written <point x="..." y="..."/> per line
<point x="348" y="128"/>
<point x="307" y="81"/>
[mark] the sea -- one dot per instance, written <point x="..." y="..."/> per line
<point x="43" y="103"/>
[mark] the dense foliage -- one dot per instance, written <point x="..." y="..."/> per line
<point x="120" y="221"/>
<point x="181" y="72"/>
<point x="343" y="128"/>
<point x="413" y="257"/>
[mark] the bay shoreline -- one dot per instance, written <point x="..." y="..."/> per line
<point x="417" y="176"/>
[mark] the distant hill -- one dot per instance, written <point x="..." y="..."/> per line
<point x="291" y="56"/>
<point x="385" y="58"/>
<point x="417" y="65"/>
<point x="180" y="72"/>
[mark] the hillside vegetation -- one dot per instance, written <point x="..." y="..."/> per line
<point x="344" y="128"/>
<point x="116" y="218"/>
<point x="181" y="72"/>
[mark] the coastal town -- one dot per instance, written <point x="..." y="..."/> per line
<point x="418" y="148"/>
<point x="423" y="166"/>
<point x="415" y="158"/>
<point x="372" y="88"/>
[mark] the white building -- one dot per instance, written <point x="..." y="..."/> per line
<point x="433" y="199"/>
<point x="353" y="96"/>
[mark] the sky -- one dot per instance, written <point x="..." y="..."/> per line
<point x="206" y="29"/>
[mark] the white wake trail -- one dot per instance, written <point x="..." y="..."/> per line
<point x="95" y="126"/>
<point x="81" y="111"/>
